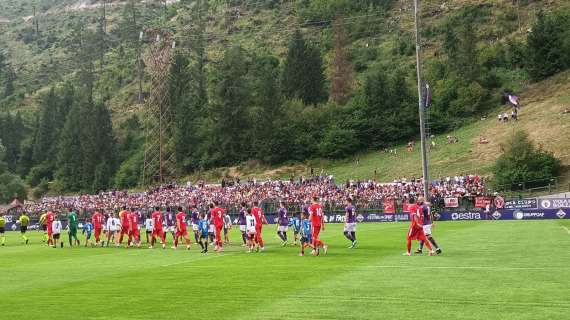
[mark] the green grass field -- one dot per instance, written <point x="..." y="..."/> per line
<point x="489" y="270"/>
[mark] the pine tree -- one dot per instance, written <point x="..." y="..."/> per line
<point x="230" y="108"/>
<point x="303" y="75"/>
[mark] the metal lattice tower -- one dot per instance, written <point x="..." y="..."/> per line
<point x="159" y="158"/>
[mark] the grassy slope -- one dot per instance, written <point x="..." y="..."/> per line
<point x="541" y="117"/>
<point x="472" y="280"/>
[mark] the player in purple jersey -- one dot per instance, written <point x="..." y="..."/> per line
<point x="350" y="223"/>
<point x="242" y="222"/>
<point x="170" y="221"/>
<point x="283" y="223"/>
<point x="194" y="219"/>
<point x="427" y="222"/>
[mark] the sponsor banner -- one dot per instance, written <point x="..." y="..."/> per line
<point x="554" y="203"/>
<point x="451" y="202"/>
<point x="507" y="214"/>
<point x="531" y="203"/>
<point x="482" y="202"/>
<point x="461" y="215"/>
<point x="389" y="205"/>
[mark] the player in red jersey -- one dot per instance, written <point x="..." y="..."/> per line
<point x="316" y="216"/>
<point x="50" y="217"/>
<point x="157" y="230"/>
<point x="260" y="219"/>
<point x="217" y="219"/>
<point x="181" y="229"/>
<point x="416" y="231"/>
<point x="134" y="229"/>
<point x="124" y="216"/>
<point x="97" y="221"/>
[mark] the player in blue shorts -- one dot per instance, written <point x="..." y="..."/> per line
<point x="87" y="231"/>
<point x="296" y="224"/>
<point x="203" y="229"/>
<point x="306" y="233"/>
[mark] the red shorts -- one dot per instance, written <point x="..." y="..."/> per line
<point x="134" y="233"/>
<point x="182" y="233"/>
<point x="49" y="231"/>
<point x="416" y="234"/>
<point x="316" y="232"/>
<point x="97" y="232"/>
<point x="157" y="232"/>
<point x="124" y="229"/>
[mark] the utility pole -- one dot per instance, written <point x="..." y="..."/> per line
<point x="140" y="67"/>
<point x="421" y="100"/>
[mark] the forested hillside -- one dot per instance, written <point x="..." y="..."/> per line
<point x="265" y="81"/>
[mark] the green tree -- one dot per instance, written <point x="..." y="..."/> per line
<point x="229" y="110"/>
<point x="522" y="162"/>
<point x="303" y="73"/>
<point x="548" y="45"/>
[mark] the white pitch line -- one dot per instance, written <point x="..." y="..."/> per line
<point x="567" y="230"/>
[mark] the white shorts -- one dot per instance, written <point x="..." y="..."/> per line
<point x="115" y="229"/>
<point x="105" y="229"/>
<point x="251" y="230"/>
<point x="242" y="227"/>
<point x="149" y="230"/>
<point x="427" y="229"/>
<point x="170" y="229"/>
<point x="282" y="228"/>
<point x="195" y="227"/>
<point x="350" y="227"/>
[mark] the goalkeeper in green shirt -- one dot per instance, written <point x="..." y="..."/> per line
<point x="2" y="227"/>
<point x="72" y="227"/>
<point x="24" y="222"/>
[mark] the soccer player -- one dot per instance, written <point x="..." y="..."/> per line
<point x="125" y="226"/>
<point x="283" y="223"/>
<point x="113" y="227"/>
<point x="242" y="222"/>
<point x="24" y="221"/>
<point x="43" y="227"/>
<point x="227" y="228"/>
<point x="251" y="229"/>
<point x="50" y="218"/>
<point x="97" y="222"/>
<point x="317" y="224"/>
<point x="416" y="231"/>
<point x="427" y="219"/>
<point x="217" y="219"/>
<point x="306" y="233"/>
<point x="259" y="221"/>
<point x="194" y="219"/>
<point x="56" y="228"/>
<point x="170" y="219"/>
<point x="181" y="229"/>
<point x="296" y="224"/>
<point x="87" y="230"/>
<point x="203" y="228"/>
<point x="72" y="228"/>
<point x="350" y="223"/>
<point x="157" y="230"/>
<point x="148" y="227"/>
<point x="2" y="229"/>
<point x="134" y="233"/>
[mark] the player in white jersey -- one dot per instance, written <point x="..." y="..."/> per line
<point x="56" y="231"/>
<point x="148" y="226"/>
<point x="227" y="228"/>
<point x="114" y="226"/>
<point x="251" y="230"/>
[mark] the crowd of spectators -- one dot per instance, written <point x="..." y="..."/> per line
<point x="230" y="193"/>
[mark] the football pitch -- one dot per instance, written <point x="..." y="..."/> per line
<point x="489" y="270"/>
